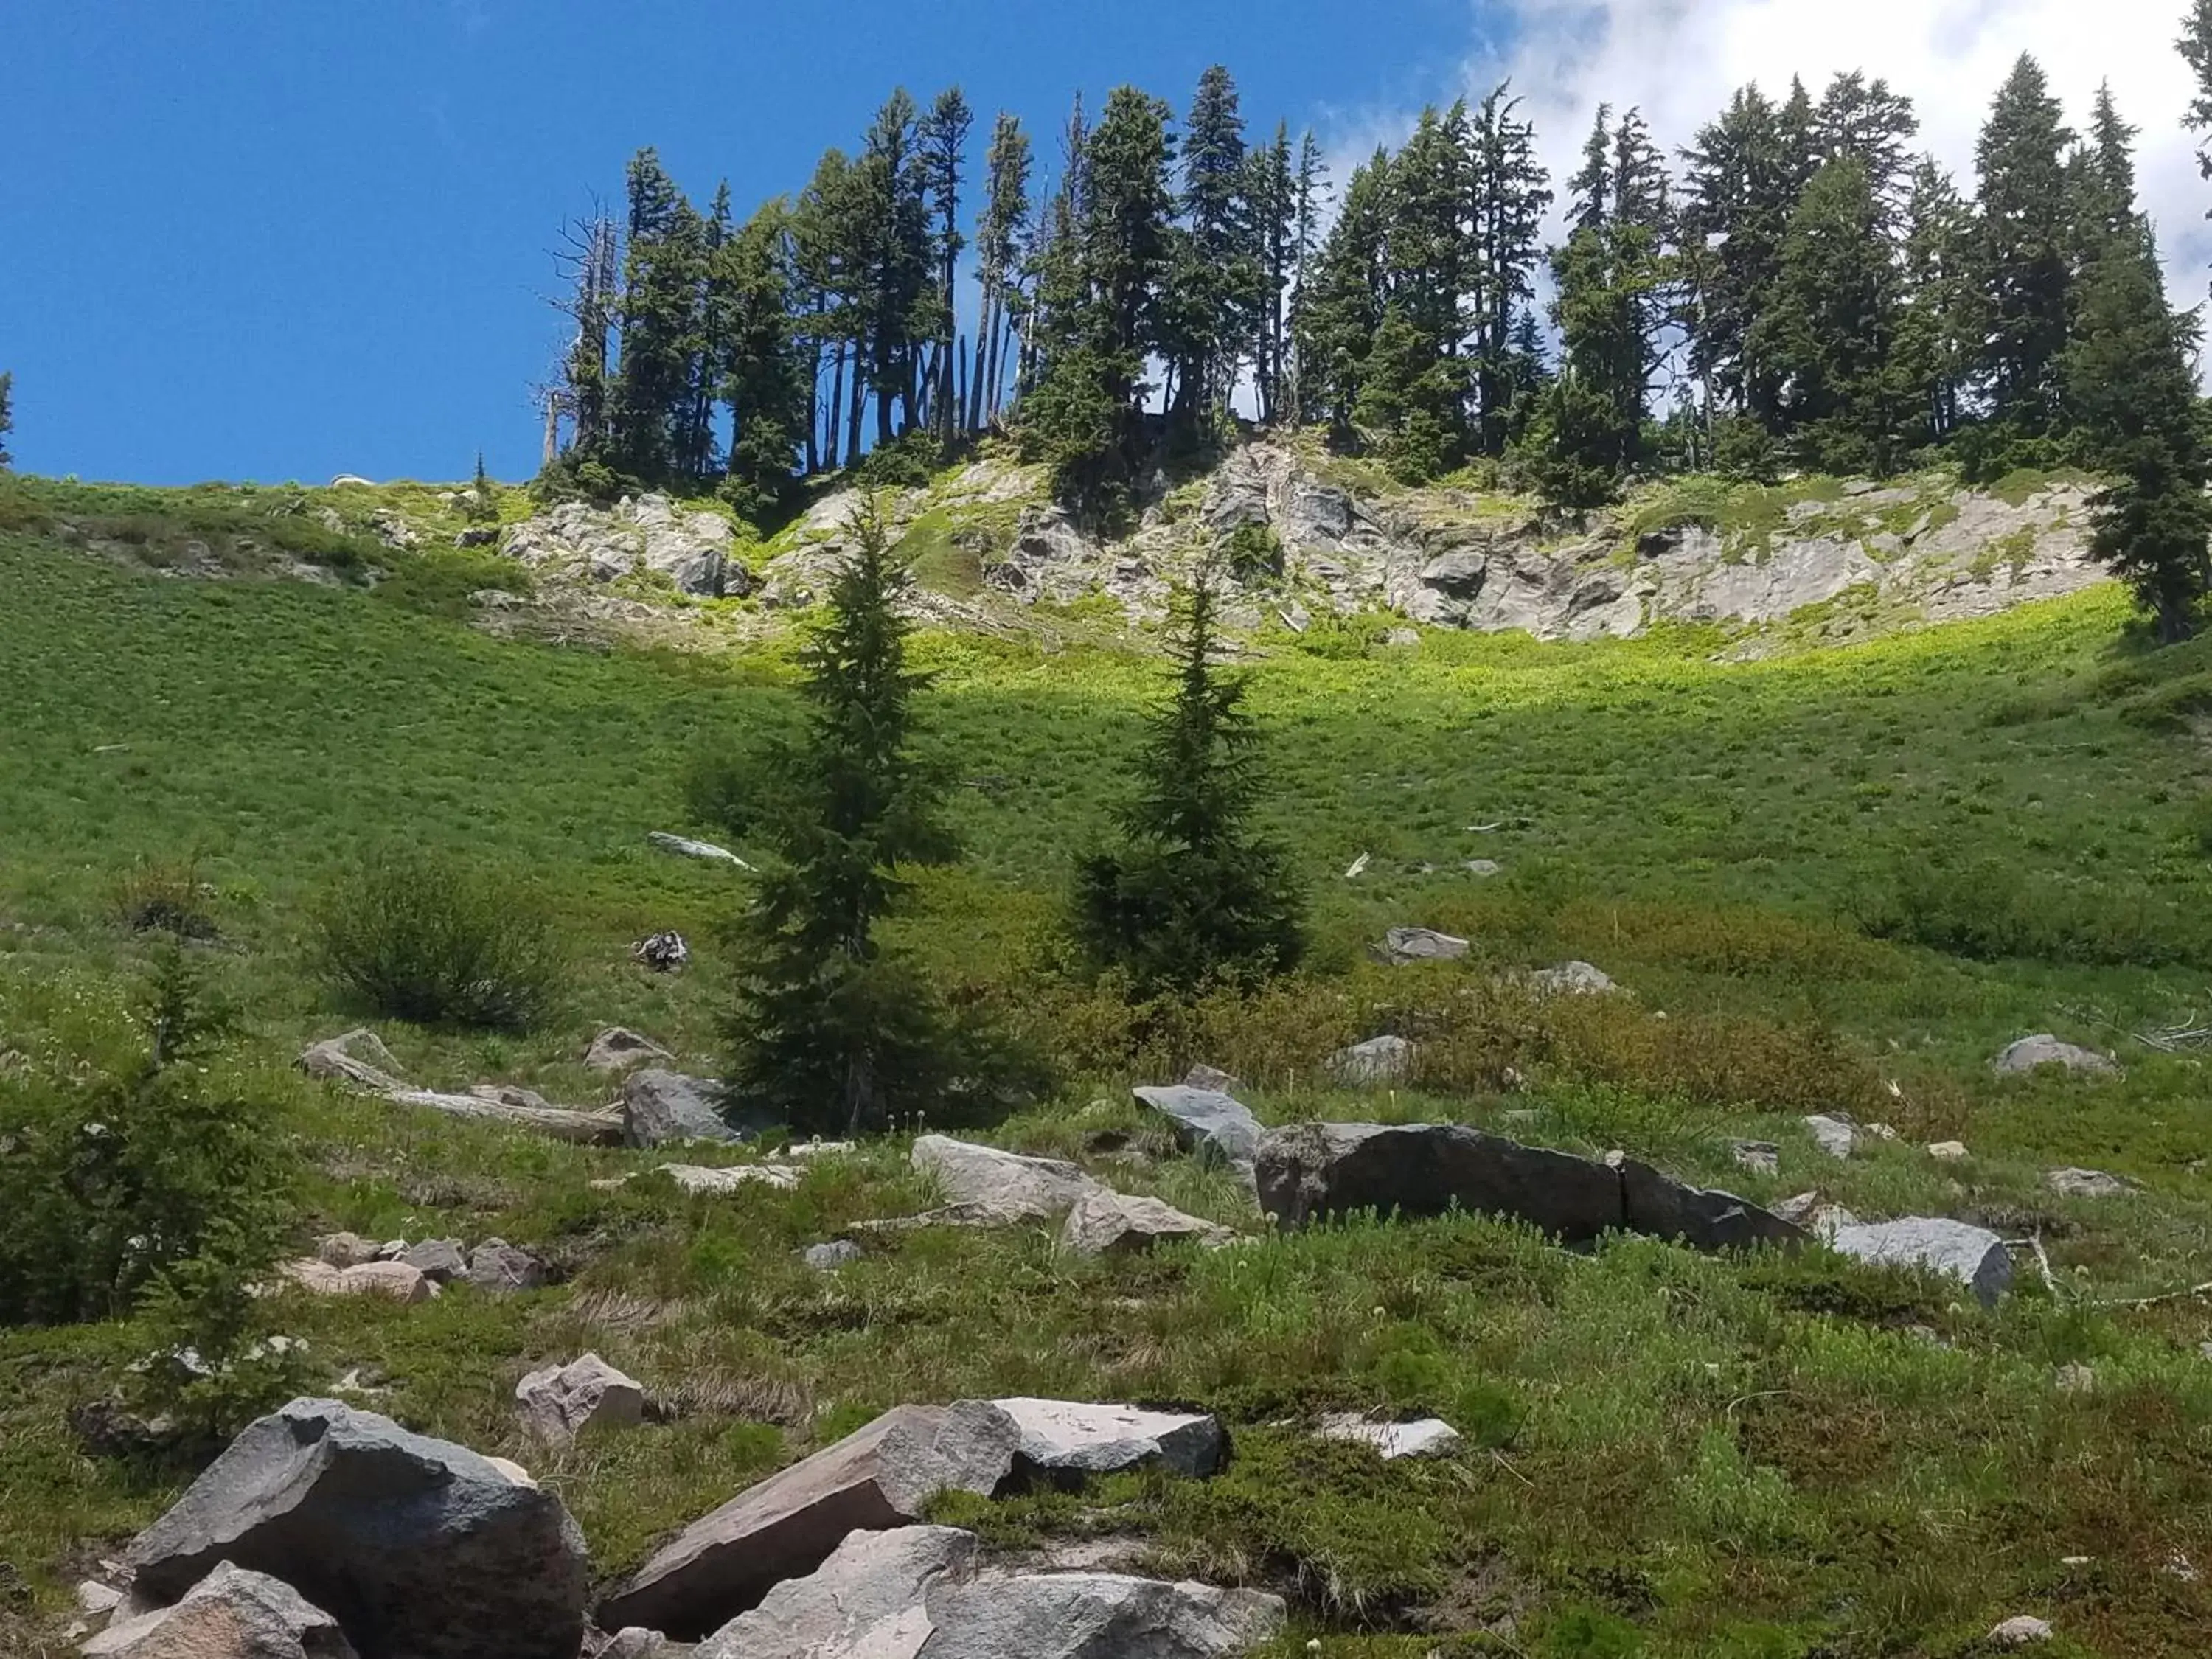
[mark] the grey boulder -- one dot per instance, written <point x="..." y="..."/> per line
<point x="617" y="1048"/>
<point x="439" y="1260"/>
<point x="868" y="1600"/>
<point x="1660" y="1206"/>
<point x="986" y="1184"/>
<point x="2030" y="1053"/>
<point x="660" y="1108"/>
<point x="420" y="1548"/>
<point x="1315" y="1172"/>
<point x="1097" y="1615"/>
<point x="1402" y="945"/>
<point x="502" y="1268"/>
<point x="560" y="1401"/>
<point x="1378" y="1060"/>
<point x="1572" y="979"/>
<point x="827" y="1258"/>
<point x="1104" y="1223"/>
<point x="1206" y="1120"/>
<point x="232" y="1613"/>
<point x="879" y="1477"/>
<point x="1974" y="1257"/>
<point x="2087" y="1183"/>
<point x="1427" y="1437"/>
<point x="1065" y="1437"/>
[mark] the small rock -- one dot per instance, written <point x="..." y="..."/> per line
<point x="1833" y="1135"/>
<point x="614" y="1048"/>
<point x="1760" y="1156"/>
<point x="1974" y="1257"/>
<point x="2087" y="1183"/>
<point x="1093" y="1615"/>
<point x="95" y="1600"/>
<point x="395" y="1279"/>
<point x="560" y="1401"/>
<point x="2074" y="1377"/>
<point x="697" y="1179"/>
<point x="232" y="1613"/>
<point x="439" y="1260"/>
<point x="1211" y="1079"/>
<point x="1065" y="1438"/>
<point x="1485" y="867"/>
<point x="818" y="1148"/>
<point x="635" y="1642"/>
<point x="828" y="1258"/>
<point x="1103" y="1222"/>
<point x="1947" y="1152"/>
<point x="1401" y="946"/>
<point x="1572" y="979"/>
<point x="685" y="847"/>
<point x="502" y="1268"/>
<point x="344" y="1249"/>
<point x="358" y="1057"/>
<point x="1429" y="1436"/>
<point x="2019" y="1631"/>
<point x="2031" y="1053"/>
<point x="1402" y="638"/>
<point x="1378" y="1060"/>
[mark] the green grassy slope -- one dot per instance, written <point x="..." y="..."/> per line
<point x="1673" y="1455"/>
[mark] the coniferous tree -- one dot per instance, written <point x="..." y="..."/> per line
<point x="1936" y="337"/>
<point x="944" y="150"/>
<point x="1209" y="306"/>
<point x="1830" y="325"/>
<point x="1273" y="195"/>
<point x="1863" y="121"/>
<point x="588" y="260"/>
<point x="663" y="283"/>
<point x="2129" y="374"/>
<point x="1511" y="195"/>
<point x="1740" y="190"/>
<point x="1343" y="302"/>
<point x="1416" y="387"/>
<point x="827" y="253"/>
<point x="1197" y="896"/>
<point x="2025" y="237"/>
<point x="1085" y="415"/>
<point x="999" y="253"/>
<point x="2196" y="48"/>
<point x="834" y="1031"/>
<point x="1312" y="183"/>
<point x="761" y="367"/>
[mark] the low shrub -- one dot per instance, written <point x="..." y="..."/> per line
<point x="167" y="897"/>
<point x="154" y="1162"/>
<point x="1989" y="910"/>
<point x="419" y="936"/>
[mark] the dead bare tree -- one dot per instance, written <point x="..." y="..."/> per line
<point x="587" y="261"/>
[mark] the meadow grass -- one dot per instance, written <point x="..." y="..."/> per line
<point x="1669" y="1455"/>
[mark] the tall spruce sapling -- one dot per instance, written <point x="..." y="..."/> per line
<point x="2130" y="380"/>
<point x="832" y="1028"/>
<point x="1197" y="894"/>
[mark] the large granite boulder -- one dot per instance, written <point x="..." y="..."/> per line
<point x="1206" y="1120"/>
<point x="660" y="1108"/>
<point x="1656" y="1204"/>
<point x="787" y="1525"/>
<point x="868" y="1600"/>
<point x="2032" y="1054"/>
<point x="1065" y="1437"/>
<point x="1097" y="1615"/>
<point x="1974" y="1257"/>
<point x="988" y="1183"/>
<point x="1379" y="1059"/>
<point x="1402" y="945"/>
<point x="1315" y="1172"/>
<point x="419" y="1547"/>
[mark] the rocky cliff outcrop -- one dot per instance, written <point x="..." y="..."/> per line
<point x="1914" y="552"/>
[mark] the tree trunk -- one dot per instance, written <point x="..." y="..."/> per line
<point x="860" y="402"/>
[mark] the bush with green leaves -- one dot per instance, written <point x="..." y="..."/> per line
<point x="421" y="936"/>
<point x="154" y="1165"/>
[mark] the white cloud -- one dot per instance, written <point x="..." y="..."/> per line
<point x="1678" y="60"/>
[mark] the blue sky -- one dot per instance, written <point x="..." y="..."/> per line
<point x="292" y="238"/>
